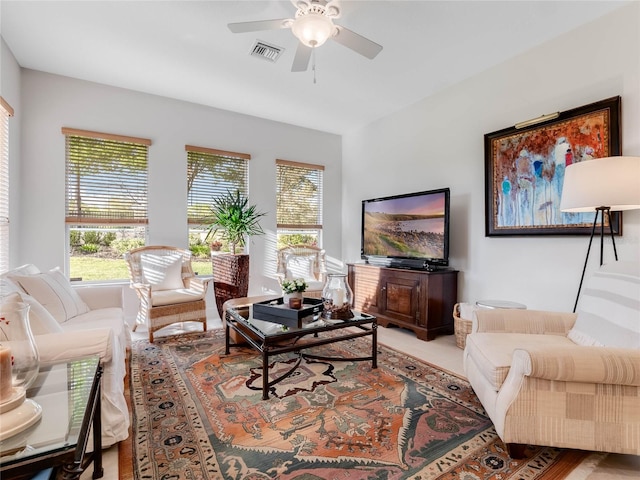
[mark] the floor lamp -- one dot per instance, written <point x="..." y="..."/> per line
<point x="601" y="185"/>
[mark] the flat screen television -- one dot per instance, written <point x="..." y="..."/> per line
<point x="407" y="231"/>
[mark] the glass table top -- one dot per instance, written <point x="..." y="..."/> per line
<point x="62" y="390"/>
<point x="309" y="324"/>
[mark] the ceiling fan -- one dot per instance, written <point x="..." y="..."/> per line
<point x="313" y="25"/>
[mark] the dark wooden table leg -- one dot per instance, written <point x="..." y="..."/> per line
<point x="265" y="375"/>
<point x="374" y="345"/>
<point x="98" y="471"/>
<point x="226" y="337"/>
<point x="71" y="472"/>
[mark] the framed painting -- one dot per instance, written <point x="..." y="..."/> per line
<point x="524" y="170"/>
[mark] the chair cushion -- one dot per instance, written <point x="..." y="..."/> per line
<point x="314" y="286"/>
<point x="301" y="267"/>
<point x="609" y="313"/>
<point x="54" y="292"/>
<point x="170" y="297"/>
<point x="492" y="352"/>
<point x="40" y="320"/>
<point x="162" y="272"/>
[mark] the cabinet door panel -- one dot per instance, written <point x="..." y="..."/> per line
<point x="400" y="298"/>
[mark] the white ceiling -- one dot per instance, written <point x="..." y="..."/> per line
<point x="184" y="50"/>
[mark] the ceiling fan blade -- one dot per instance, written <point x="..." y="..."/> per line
<point x="357" y="43"/>
<point x="260" y="25"/>
<point x="301" y="60"/>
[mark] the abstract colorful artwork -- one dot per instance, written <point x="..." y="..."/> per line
<point x="524" y="170"/>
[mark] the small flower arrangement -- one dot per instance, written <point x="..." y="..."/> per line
<point x="294" y="285"/>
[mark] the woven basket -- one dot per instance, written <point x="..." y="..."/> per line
<point x="461" y="327"/>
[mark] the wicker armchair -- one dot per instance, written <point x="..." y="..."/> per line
<point x="303" y="261"/>
<point x="168" y="290"/>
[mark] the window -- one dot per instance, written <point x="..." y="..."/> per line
<point x="106" y="201"/>
<point x="5" y="112"/>
<point x="210" y="173"/>
<point x="299" y="203"/>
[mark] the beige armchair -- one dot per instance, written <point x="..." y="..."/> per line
<point x="303" y="261"/>
<point x="564" y="379"/>
<point x="168" y="290"/>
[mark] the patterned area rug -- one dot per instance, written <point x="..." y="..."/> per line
<point x="198" y="414"/>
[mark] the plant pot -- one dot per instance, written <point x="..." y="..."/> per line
<point x="230" y="277"/>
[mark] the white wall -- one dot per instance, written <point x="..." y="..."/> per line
<point x="434" y="143"/>
<point x="10" y="91"/>
<point x="51" y="102"/>
<point x="438" y="142"/>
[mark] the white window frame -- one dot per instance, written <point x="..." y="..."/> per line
<point x="210" y="174"/>
<point x="286" y="222"/>
<point x="106" y="203"/>
<point x="5" y="113"/>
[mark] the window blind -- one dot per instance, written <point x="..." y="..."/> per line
<point x="211" y="173"/>
<point x="5" y="112"/>
<point x="299" y="195"/>
<point x="106" y="178"/>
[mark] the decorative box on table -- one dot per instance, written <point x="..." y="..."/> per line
<point x="276" y="311"/>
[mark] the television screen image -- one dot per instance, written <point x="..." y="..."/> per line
<point x="411" y="226"/>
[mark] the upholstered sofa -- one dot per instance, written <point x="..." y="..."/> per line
<point x="564" y="379"/>
<point x="72" y="322"/>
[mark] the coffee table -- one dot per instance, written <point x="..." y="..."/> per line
<point x="271" y="338"/>
<point x="69" y="394"/>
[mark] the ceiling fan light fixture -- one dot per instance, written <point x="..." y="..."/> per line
<point x="312" y="29"/>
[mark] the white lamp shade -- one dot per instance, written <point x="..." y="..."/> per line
<point x="612" y="182"/>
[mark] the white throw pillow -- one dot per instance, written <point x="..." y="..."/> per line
<point x="54" y="292"/>
<point x="162" y="272"/>
<point x="609" y="312"/>
<point x="301" y="267"/>
<point x="40" y="320"/>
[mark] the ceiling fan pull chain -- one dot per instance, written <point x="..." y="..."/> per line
<point x="313" y="59"/>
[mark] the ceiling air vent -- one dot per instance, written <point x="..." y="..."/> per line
<point x="265" y="51"/>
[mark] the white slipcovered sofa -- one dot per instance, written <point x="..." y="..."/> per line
<point x="568" y="380"/>
<point x="72" y="322"/>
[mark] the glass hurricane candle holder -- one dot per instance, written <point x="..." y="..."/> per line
<point x="15" y="335"/>
<point x="337" y="297"/>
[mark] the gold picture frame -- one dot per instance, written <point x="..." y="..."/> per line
<point x="524" y="169"/>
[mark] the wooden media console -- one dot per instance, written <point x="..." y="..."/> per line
<point x="418" y="300"/>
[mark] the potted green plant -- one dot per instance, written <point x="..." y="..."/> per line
<point x="236" y="221"/>
<point x="232" y="215"/>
